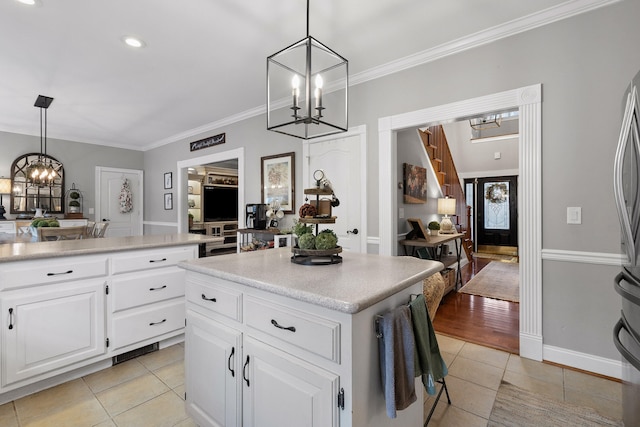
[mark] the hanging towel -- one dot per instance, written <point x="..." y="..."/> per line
<point x="397" y="364"/>
<point x="428" y="360"/>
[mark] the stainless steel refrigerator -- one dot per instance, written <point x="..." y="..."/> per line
<point x="626" y="334"/>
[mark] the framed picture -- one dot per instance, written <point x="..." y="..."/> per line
<point x="168" y="180"/>
<point x="278" y="180"/>
<point x="415" y="184"/>
<point x="168" y="201"/>
<point x="417" y="228"/>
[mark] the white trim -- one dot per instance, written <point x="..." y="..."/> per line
<point x="547" y="16"/>
<point x="494" y="138"/>
<point x="359" y="131"/>
<point x="528" y="101"/>
<point x="181" y="185"/>
<point x="160" y="224"/>
<point x="587" y="362"/>
<point x="598" y="258"/>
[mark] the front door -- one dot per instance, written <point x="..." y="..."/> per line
<point x="497" y="211"/>
<point x="123" y="221"/>
<point x="342" y="159"/>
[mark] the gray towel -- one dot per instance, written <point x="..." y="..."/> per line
<point x="429" y="362"/>
<point x="397" y="364"/>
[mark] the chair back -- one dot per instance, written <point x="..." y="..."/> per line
<point x="61" y="233"/>
<point x="90" y="226"/>
<point x="100" y="228"/>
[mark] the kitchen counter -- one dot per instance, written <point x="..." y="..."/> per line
<point x="359" y="282"/>
<point x="39" y="250"/>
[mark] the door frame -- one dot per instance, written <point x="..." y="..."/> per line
<point x="359" y="131"/>
<point x="139" y="192"/>
<point x="528" y="100"/>
<point x="181" y="186"/>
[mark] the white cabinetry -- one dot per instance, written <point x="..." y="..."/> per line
<point x="49" y="328"/>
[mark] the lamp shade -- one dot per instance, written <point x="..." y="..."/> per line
<point x="5" y="186"/>
<point x="446" y="206"/>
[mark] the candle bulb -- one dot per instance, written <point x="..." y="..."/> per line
<point x="295" y="82"/>
<point x="318" y="91"/>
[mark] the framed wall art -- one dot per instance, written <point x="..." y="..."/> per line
<point x="168" y="201"/>
<point x="278" y="180"/>
<point x="168" y="180"/>
<point x="415" y="184"/>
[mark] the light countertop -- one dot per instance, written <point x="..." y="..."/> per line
<point x="41" y="250"/>
<point x="360" y="281"/>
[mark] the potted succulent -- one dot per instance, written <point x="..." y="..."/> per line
<point x="74" y="204"/>
<point x="190" y="220"/>
<point x="433" y="227"/>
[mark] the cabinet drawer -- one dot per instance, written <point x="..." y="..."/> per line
<point x="144" y="260"/>
<point x="142" y="324"/>
<point x="215" y="297"/>
<point x="51" y="270"/>
<point x="138" y="289"/>
<point x="315" y="334"/>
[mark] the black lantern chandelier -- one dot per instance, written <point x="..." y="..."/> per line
<point x="307" y="89"/>
<point x="41" y="172"/>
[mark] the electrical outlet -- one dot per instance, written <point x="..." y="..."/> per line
<point x="497" y="155"/>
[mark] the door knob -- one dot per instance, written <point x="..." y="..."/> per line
<point x="104" y="219"/>
<point x="354" y="231"/>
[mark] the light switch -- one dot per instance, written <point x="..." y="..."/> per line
<point x="91" y="211"/>
<point x="401" y="213"/>
<point x="497" y="155"/>
<point x="574" y="215"/>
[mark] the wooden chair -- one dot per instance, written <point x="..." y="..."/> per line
<point x="100" y="228"/>
<point x="90" y="227"/>
<point x="61" y="233"/>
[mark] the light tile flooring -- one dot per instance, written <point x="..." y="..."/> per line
<point x="148" y="391"/>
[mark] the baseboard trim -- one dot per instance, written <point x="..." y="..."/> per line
<point x="583" y="361"/>
<point x="531" y="346"/>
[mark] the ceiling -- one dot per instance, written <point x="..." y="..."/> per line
<point x="204" y="62"/>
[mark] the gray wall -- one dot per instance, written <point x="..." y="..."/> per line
<point x="79" y="161"/>
<point x="584" y="64"/>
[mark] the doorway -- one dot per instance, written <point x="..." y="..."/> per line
<point x="123" y="220"/>
<point x="528" y="101"/>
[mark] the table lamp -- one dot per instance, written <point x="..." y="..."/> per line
<point x="5" y="188"/>
<point x="446" y="207"/>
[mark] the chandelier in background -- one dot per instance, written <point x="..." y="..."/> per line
<point x="41" y="172"/>
<point x="307" y="89"/>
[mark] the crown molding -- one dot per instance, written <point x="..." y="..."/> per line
<point x="544" y="17"/>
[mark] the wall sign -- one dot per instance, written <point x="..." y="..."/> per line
<point x="208" y="142"/>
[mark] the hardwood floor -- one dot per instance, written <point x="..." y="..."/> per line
<point x="485" y="321"/>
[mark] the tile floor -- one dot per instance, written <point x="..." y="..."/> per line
<point x="148" y="391"/>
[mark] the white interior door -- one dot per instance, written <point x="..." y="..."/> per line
<point x="343" y="161"/>
<point x="109" y="183"/>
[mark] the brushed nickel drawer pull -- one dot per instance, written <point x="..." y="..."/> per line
<point x="288" y="328"/>
<point x="157" y="289"/>
<point x="157" y="323"/>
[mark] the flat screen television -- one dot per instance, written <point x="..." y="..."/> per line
<point x="220" y="203"/>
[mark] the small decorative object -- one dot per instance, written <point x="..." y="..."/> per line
<point x="278" y="180"/>
<point x="433" y="227"/>
<point x="307" y="210"/>
<point x="74" y="202"/>
<point x="417" y="228"/>
<point x="126" y="197"/>
<point x="192" y="203"/>
<point x="300" y="228"/>
<point x="168" y="180"/>
<point x="497" y="193"/>
<point x="326" y="239"/>
<point x="190" y="221"/>
<point x="168" y="201"/>
<point x="207" y="142"/>
<point x="190" y="189"/>
<point x="307" y="241"/>
<point x="415" y="184"/>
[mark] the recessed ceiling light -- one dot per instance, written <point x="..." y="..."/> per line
<point x="133" y="41"/>
<point x="28" y="2"/>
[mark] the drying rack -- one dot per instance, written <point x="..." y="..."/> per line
<point x="442" y="382"/>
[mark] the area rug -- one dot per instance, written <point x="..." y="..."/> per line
<point x="497" y="280"/>
<point x="516" y="407"/>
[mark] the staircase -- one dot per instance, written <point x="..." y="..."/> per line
<point x="435" y="143"/>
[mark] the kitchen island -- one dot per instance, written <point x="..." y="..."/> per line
<point x="273" y="343"/>
<point x="69" y="307"/>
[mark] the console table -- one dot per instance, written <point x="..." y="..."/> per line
<point x="435" y="243"/>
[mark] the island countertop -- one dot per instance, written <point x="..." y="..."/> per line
<point x="39" y="250"/>
<point x="360" y="281"/>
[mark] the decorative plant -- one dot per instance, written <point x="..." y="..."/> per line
<point x="433" y="225"/>
<point x="74" y="203"/>
<point x="300" y="228"/>
<point x="74" y="195"/>
<point x="326" y="239"/>
<point x="307" y="241"/>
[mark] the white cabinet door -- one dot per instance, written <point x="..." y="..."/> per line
<point x="282" y="390"/>
<point x="50" y="328"/>
<point x="213" y="372"/>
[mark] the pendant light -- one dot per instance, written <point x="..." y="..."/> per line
<point x="41" y="172"/>
<point x="307" y="89"/>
